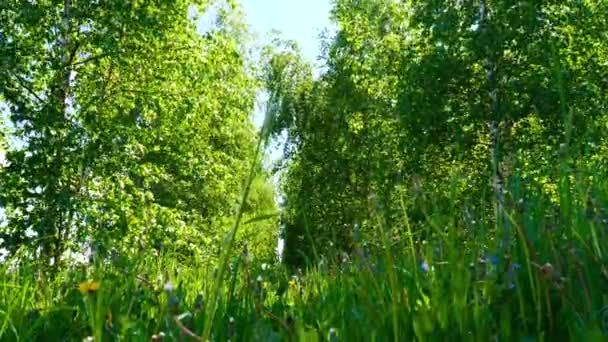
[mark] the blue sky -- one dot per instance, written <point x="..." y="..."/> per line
<point x="301" y="20"/>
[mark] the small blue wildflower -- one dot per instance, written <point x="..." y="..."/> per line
<point x="487" y="258"/>
<point x="425" y="267"/>
<point x="173" y="302"/>
<point x="513" y="268"/>
<point x="511" y="275"/>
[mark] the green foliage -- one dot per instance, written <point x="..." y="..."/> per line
<point x="463" y="96"/>
<point x="133" y="127"/>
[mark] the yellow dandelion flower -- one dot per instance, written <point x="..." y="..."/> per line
<point x="88" y="286"/>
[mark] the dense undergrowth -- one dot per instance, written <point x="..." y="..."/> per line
<point x="548" y="282"/>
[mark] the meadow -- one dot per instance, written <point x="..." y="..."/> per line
<point x="443" y="178"/>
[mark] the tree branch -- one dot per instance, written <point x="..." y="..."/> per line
<point x="90" y="59"/>
<point x="29" y="90"/>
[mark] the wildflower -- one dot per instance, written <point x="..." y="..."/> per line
<point x="511" y="275"/>
<point x="514" y="267"/>
<point x="345" y="257"/>
<point x="552" y="275"/>
<point x="264" y="266"/>
<point x="158" y="337"/>
<point x="258" y="286"/>
<point x="88" y="286"/>
<point x="485" y="259"/>
<point x="333" y="336"/>
<point x="546" y="269"/>
<point x="425" y="267"/>
<point x="231" y="328"/>
<point x="168" y="286"/>
<point x="173" y="303"/>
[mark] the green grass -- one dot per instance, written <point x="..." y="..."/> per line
<point x="551" y="283"/>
